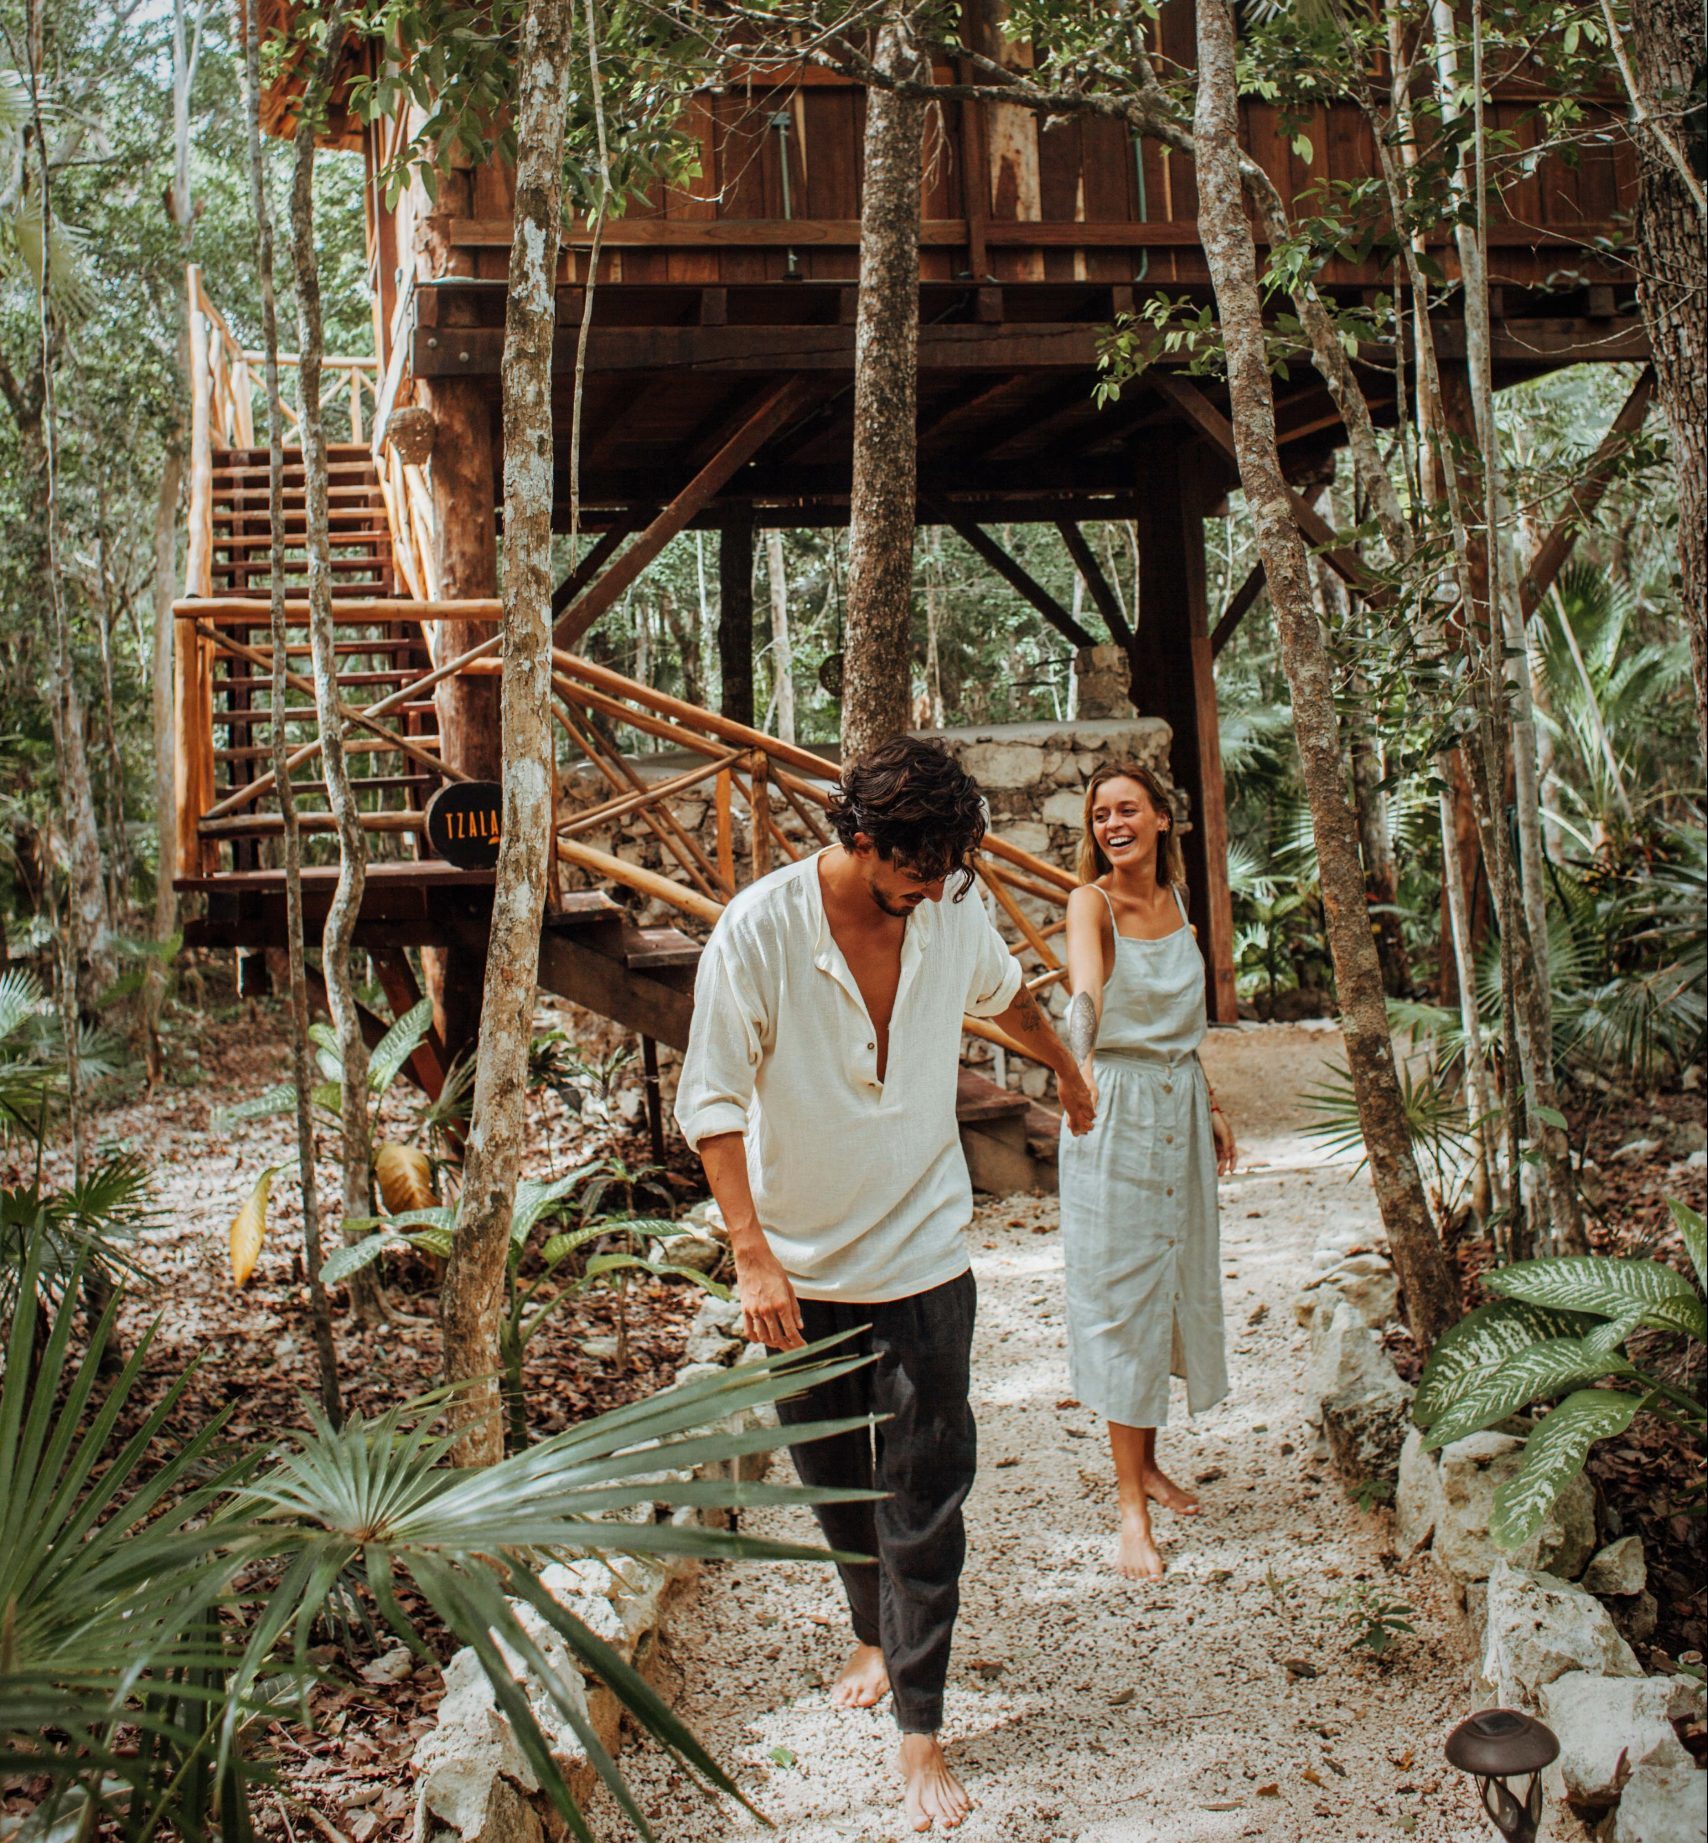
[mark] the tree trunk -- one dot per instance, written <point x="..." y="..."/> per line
<point x="473" y="1294"/>
<point x="1666" y="43"/>
<point x="304" y="1074"/>
<point x="735" y="614"/>
<point x="782" y="651"/>
<point x="876" y="672"/>
<point x="165" y="776"/>
<point x="339" y="934"/>
<point x="1430" y="1295"/>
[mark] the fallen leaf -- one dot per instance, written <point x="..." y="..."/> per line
<point x="1067" y="1402"/>
<point x="249" y="1227"/>
<point x="1043" y="1228"/>
<point x="1311" y="1778"/>
<point x="1299" y="1667"/>
<point x="1233" y="1804"/>
<point x="1259" y="1313"/>
<point x="1009" y="1460"/>
<point x="987" y="1666"/>
<point x="781" y="1756"/>
<point x="1121" y="1698"/>
<point x="1403" y="1760"/>
<point x="1272" y="1790"/>
<point x="1208" y="1476"/>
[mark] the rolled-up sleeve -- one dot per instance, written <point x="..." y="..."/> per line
<point x="995" y="975"/>
<point x="725" y="1043"/>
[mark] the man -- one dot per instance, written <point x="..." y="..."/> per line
<point x="819" y="1091"/>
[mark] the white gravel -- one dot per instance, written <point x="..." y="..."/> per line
<point x="1081" y="1706"/>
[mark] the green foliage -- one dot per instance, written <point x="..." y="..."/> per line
<point x="1558" y="1329"/>
<point x="1373" y="1619"/>
<point x="165" y="1590"/>
<point x="1435" y="1120"/>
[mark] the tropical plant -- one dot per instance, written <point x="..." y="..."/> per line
<point x="1558" y="1328"/>
<point x="567" y="1264"/>
<point x="161" y="1594"/>
<point x="1372" y="1618"/>
<point x="1435" y="1117"/>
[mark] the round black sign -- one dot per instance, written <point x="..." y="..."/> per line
<point x="463" y="823"/>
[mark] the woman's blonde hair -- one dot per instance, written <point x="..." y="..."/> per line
<point x="1092" y="864"/>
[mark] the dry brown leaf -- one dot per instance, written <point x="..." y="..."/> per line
<point x="249" y="1227"/>
<point x="405" y="1177"/>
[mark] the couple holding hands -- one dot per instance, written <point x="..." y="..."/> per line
<point x="819" y="1092"/>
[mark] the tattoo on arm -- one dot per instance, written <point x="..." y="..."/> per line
<point x="1081" y="1026"/>
<point x="1026" y="1012"/>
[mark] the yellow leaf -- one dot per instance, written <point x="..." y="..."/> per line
<point x="249" y="1227"/>
<point x="405" y="1176"/>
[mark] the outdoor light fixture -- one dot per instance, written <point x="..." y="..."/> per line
<point x="1501" y="1745"/>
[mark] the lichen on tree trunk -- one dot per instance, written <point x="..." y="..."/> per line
<point x="876" y="671"/>
<point x="1430" y="1296"/>
<point x="472" y="1296"/>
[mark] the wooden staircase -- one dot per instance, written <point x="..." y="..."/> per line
<point x="375" y="654"/>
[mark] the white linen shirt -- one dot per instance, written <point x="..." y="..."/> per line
<point x="860" y="1185"/>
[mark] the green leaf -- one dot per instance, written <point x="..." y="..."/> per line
<point x="354" y="1256"/>
<point x="1480" y="1341"/>
<point x="1695" y="1233"/>
<point x="1550" y="1116"/>
<point x="1607" y="1285"/>
<point x="1553" y="1457"/>
<point x="282" y="1099"/>
<point x="397" y="1045"/>
<point x="1536" y="1374"/>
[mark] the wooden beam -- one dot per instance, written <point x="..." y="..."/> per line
<point x="1585" y="496"/>
<point x="774" y="409"/>
<point x="1203" y="414"/>
<point x="1014" y="574"/>
<point x="975" y="180"/>
<point x="426" y="1063"/>
<point x="589" y="566"/>
<point x="1102" y="590"/>
<point x="1238" y="607"/>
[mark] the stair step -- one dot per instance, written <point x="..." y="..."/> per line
<point x="272" y="825"/>
<point x="649" y="949"/>
<point x="261" y="751"/>
<point x="294" y="566"/>
<point x="376" y="534"/>
<point x="241" y="681"/>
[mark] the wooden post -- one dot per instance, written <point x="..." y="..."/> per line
<point x="759" y="816"/>
<point x="735" y="613"/>
<point x="1174" y="678"/>
<point x="464" y="482"/>
<point x="726" y="832"/>
<point x="192" y="701"/>
<point x="654" y="1098"/>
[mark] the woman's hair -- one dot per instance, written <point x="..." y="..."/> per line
<point x="1093" y="864"/>
<point x="916" y="804"/>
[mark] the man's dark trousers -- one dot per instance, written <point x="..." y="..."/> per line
<point x="923" y="1456"/>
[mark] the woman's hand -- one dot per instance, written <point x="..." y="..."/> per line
<point x="1227" y="1153"/>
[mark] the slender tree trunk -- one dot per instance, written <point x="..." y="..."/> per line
<point x="338" y="937"/>
<point x="1431" y="1300"/>
<point x="303" y="1071"/>
<point x="1665" y="42"/>
<point x="165" y="778"/>
<point x="473" y="1294"/>
<point x="782" y="651"/>
<point x="1479" y="1095"/>
<point x="877" y="678"/>
<point x="119" y="858"/>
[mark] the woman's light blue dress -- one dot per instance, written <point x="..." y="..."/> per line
<point x="1138" y="1195"/>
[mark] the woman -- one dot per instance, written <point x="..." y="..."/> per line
<point x="1139" y="1190"/>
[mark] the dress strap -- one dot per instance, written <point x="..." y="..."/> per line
<point x="1108" y="903"/>
<point x="1180" y="904"/>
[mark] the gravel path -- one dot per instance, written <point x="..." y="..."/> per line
<point x="1222" y="1702"/>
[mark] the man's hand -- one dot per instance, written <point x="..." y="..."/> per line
<point x="770" y="1312"/>
<point x="1227" y="1152"/>
<point x="1079" y="1101"/>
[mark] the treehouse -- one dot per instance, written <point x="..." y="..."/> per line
<point x="719" y="397"/>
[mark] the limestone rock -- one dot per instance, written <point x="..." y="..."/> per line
<point x="1637" y="1616"/>
<point x="1472" y="1470"/>
<point x="1028" y="835"/>
<point x="1066" y="808"/>
<point x="703" y="1253"/>
<point x="1003" y="764"/>
<point x="1103" y="674"/>
<point x="1607" y="1727"/>
<point x="1538" y="1627"/>
<point x="1417" y="1495"/>
<point x="1346" y="1356"/>
<point x="1368" y="1284"/>
<point x="472" y="1775"/>
<point x="1618" y="1569"/>
<point x="1366" y="1432"/>
<point x="1662" y="1804"/>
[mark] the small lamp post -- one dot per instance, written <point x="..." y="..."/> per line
<point x="1500" y="1745"/>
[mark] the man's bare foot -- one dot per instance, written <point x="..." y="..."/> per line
<point x="1166" y="1492"/>
<point x="1137" y="1555"/>
<point x="934" y="1795"/>
<point x="864" y="1682"/>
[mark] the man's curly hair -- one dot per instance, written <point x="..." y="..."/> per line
<point x="917" y="804"/>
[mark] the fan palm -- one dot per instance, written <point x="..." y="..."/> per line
<point x="168" y="1590"/>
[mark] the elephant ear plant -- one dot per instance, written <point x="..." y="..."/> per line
<point x="159" y="1593"/>
<point x="1557" y="1332"/>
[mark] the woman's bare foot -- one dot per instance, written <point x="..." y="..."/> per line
<point x="933" y="1795"/>
<point x="1137" y="1555"/>
<point x="864" y="1682"/>
<point x="1169" y="1495"/>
